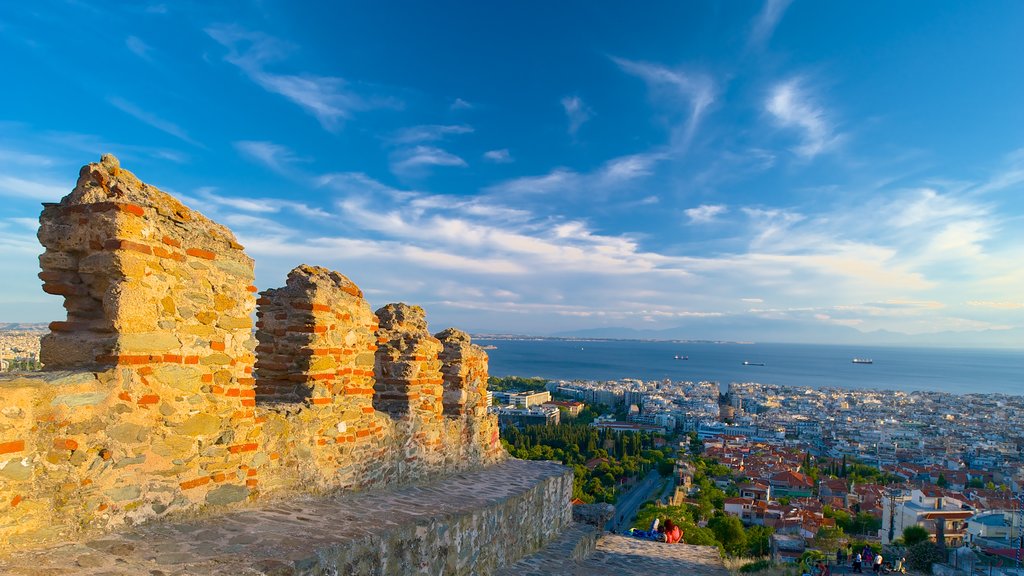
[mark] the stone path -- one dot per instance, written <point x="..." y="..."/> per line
<point x="574" y="553"/>
<point x="468" y="523"/>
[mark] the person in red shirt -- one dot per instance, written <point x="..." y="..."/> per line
<point x="672" y="532"/>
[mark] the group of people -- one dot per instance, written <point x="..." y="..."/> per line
<point x="660" y="531"/>
<point x="877" y="562"/>
<point x="867" y="556"/>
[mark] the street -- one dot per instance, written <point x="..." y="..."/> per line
<point x="628" y="504"/>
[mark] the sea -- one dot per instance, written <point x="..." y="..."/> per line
<point x="952" y="370"/>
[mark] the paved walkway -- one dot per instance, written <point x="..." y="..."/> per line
<point x="465" y="520"/>
<point x="617" y="556"/>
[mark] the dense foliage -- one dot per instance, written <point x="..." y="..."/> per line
<point x="914" y="534"/>
<point x="614" y="457"/>
<point x="516" y="383"/>
<point x="860" y="523"/>
<point x="922" y="555"/>
<point x="725" y="532"/>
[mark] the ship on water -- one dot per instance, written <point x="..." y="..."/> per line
<point x="863" y="361"/>
<point x="749" y="363"/>
<point x="678" y="357"/>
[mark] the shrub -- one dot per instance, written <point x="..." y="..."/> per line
<point x="756" y="566"/>
<point x="913" y="535"/>
<point x="922" y="555"/>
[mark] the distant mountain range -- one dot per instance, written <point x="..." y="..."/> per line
<point x="787" y="331"/>
<point x="24" y="327"/>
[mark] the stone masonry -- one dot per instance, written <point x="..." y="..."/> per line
<point x="150" y="407"/>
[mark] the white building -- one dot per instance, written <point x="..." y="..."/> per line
<point x="925" y="508"/>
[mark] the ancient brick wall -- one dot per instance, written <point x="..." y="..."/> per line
<point x="150" y="405"/>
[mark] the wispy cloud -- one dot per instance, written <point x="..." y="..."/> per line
<point x="152" y="119"/>
<point x="460" y="104"/>
<point x="616" y="173"/>
<point x="766" y="21"/>
<point x="211" y="196"/>
<point x="997" y="305"/>
<point x="577" y="112"/>
<point x="414" y="161"/>
<point x="427" y="133"/>
<point x="274" y="156"/>
<point x="705" y="213"/>
<point x="328" y="98"/>
<point x="502" y="156"/>
<point x="696" y="92"/>
<point x="792" y="107"/>
<point x="138" y="47"/>
<point x="13" y="187"/>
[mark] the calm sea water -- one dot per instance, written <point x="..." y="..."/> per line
<point x="959" y="371"/>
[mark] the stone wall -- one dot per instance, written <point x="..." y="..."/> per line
<point x="150" y="405"/>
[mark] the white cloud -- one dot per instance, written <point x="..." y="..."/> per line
<point x="502" y="156"/>
<point x="705" y="213"/>
<point x="766" y="21"/>
<point x="997" y="305"/>
<point x="328" y="98"/>
<point x="13" y="187"/>
<point x="274" y="156"/>
<point x="153" y="120"/>
<point x="577" y="112"/>
<point x="413" y="161"/>
<point x="614" y="174"/>
<point x="460" y="104"/>
<point x="138" y="47"/>
<point x="209" y="196"/>
<point x="427" y="133"/>
<point x="791" y="106"/>
<point x="692" y="92"/>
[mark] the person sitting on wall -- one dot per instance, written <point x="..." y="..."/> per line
<point x="672" y="532"/>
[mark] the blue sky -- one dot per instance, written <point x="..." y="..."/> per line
<point x="541" y="167"/>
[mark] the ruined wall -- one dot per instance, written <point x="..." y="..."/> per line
<point x="149" y="406"/>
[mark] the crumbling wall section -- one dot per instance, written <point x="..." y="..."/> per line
<point x="464" y="373"/>
<point x="314" y="384"/>
<point x="149" y="404"/>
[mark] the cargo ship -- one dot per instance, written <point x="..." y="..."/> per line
<point x="863" y="361"/>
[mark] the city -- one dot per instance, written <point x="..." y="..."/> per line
<point x="799" y="460"/>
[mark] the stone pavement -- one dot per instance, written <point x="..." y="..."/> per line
<point x="574" y="554"/>
<point x="469" y="523"/>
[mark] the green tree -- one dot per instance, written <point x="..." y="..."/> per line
<point x="829" y="539"/>
<point x="942" y="482"/>
<point x="922" y="555"/>
<point x="759" y="541"/>
<point x="730" y="533"/>
<point x="915" y="534"/>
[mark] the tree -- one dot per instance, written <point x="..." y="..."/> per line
<point x="730" y="533"/>
<point x="942" y="482"/>
<point x="915" y="534"/>
<point x="759" y="541"/>
<point x="922" y="555"/>
<point x="829" y="539"/>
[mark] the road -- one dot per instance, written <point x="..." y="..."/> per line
<point x="629" y="503"/>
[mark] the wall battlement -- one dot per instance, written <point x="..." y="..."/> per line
<point x="158" y="399"/>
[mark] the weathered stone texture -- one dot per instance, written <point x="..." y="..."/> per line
<point x="149" y="405"/>
<point x="408" y="370"/>
<point x="469" y="523"/>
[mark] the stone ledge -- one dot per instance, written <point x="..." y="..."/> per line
<point x="560" y="556"/>
<point x="469" y="523"/>
<point x="574" y="553"/>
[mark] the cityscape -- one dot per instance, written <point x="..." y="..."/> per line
<point x="559" y="288"/>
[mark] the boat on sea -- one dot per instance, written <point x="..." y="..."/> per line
<point x="678" y="357"/>
<point x="863" y="361"/>
<point x="749" y="363"/>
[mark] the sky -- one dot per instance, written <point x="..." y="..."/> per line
<point x="548" y="167"/>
